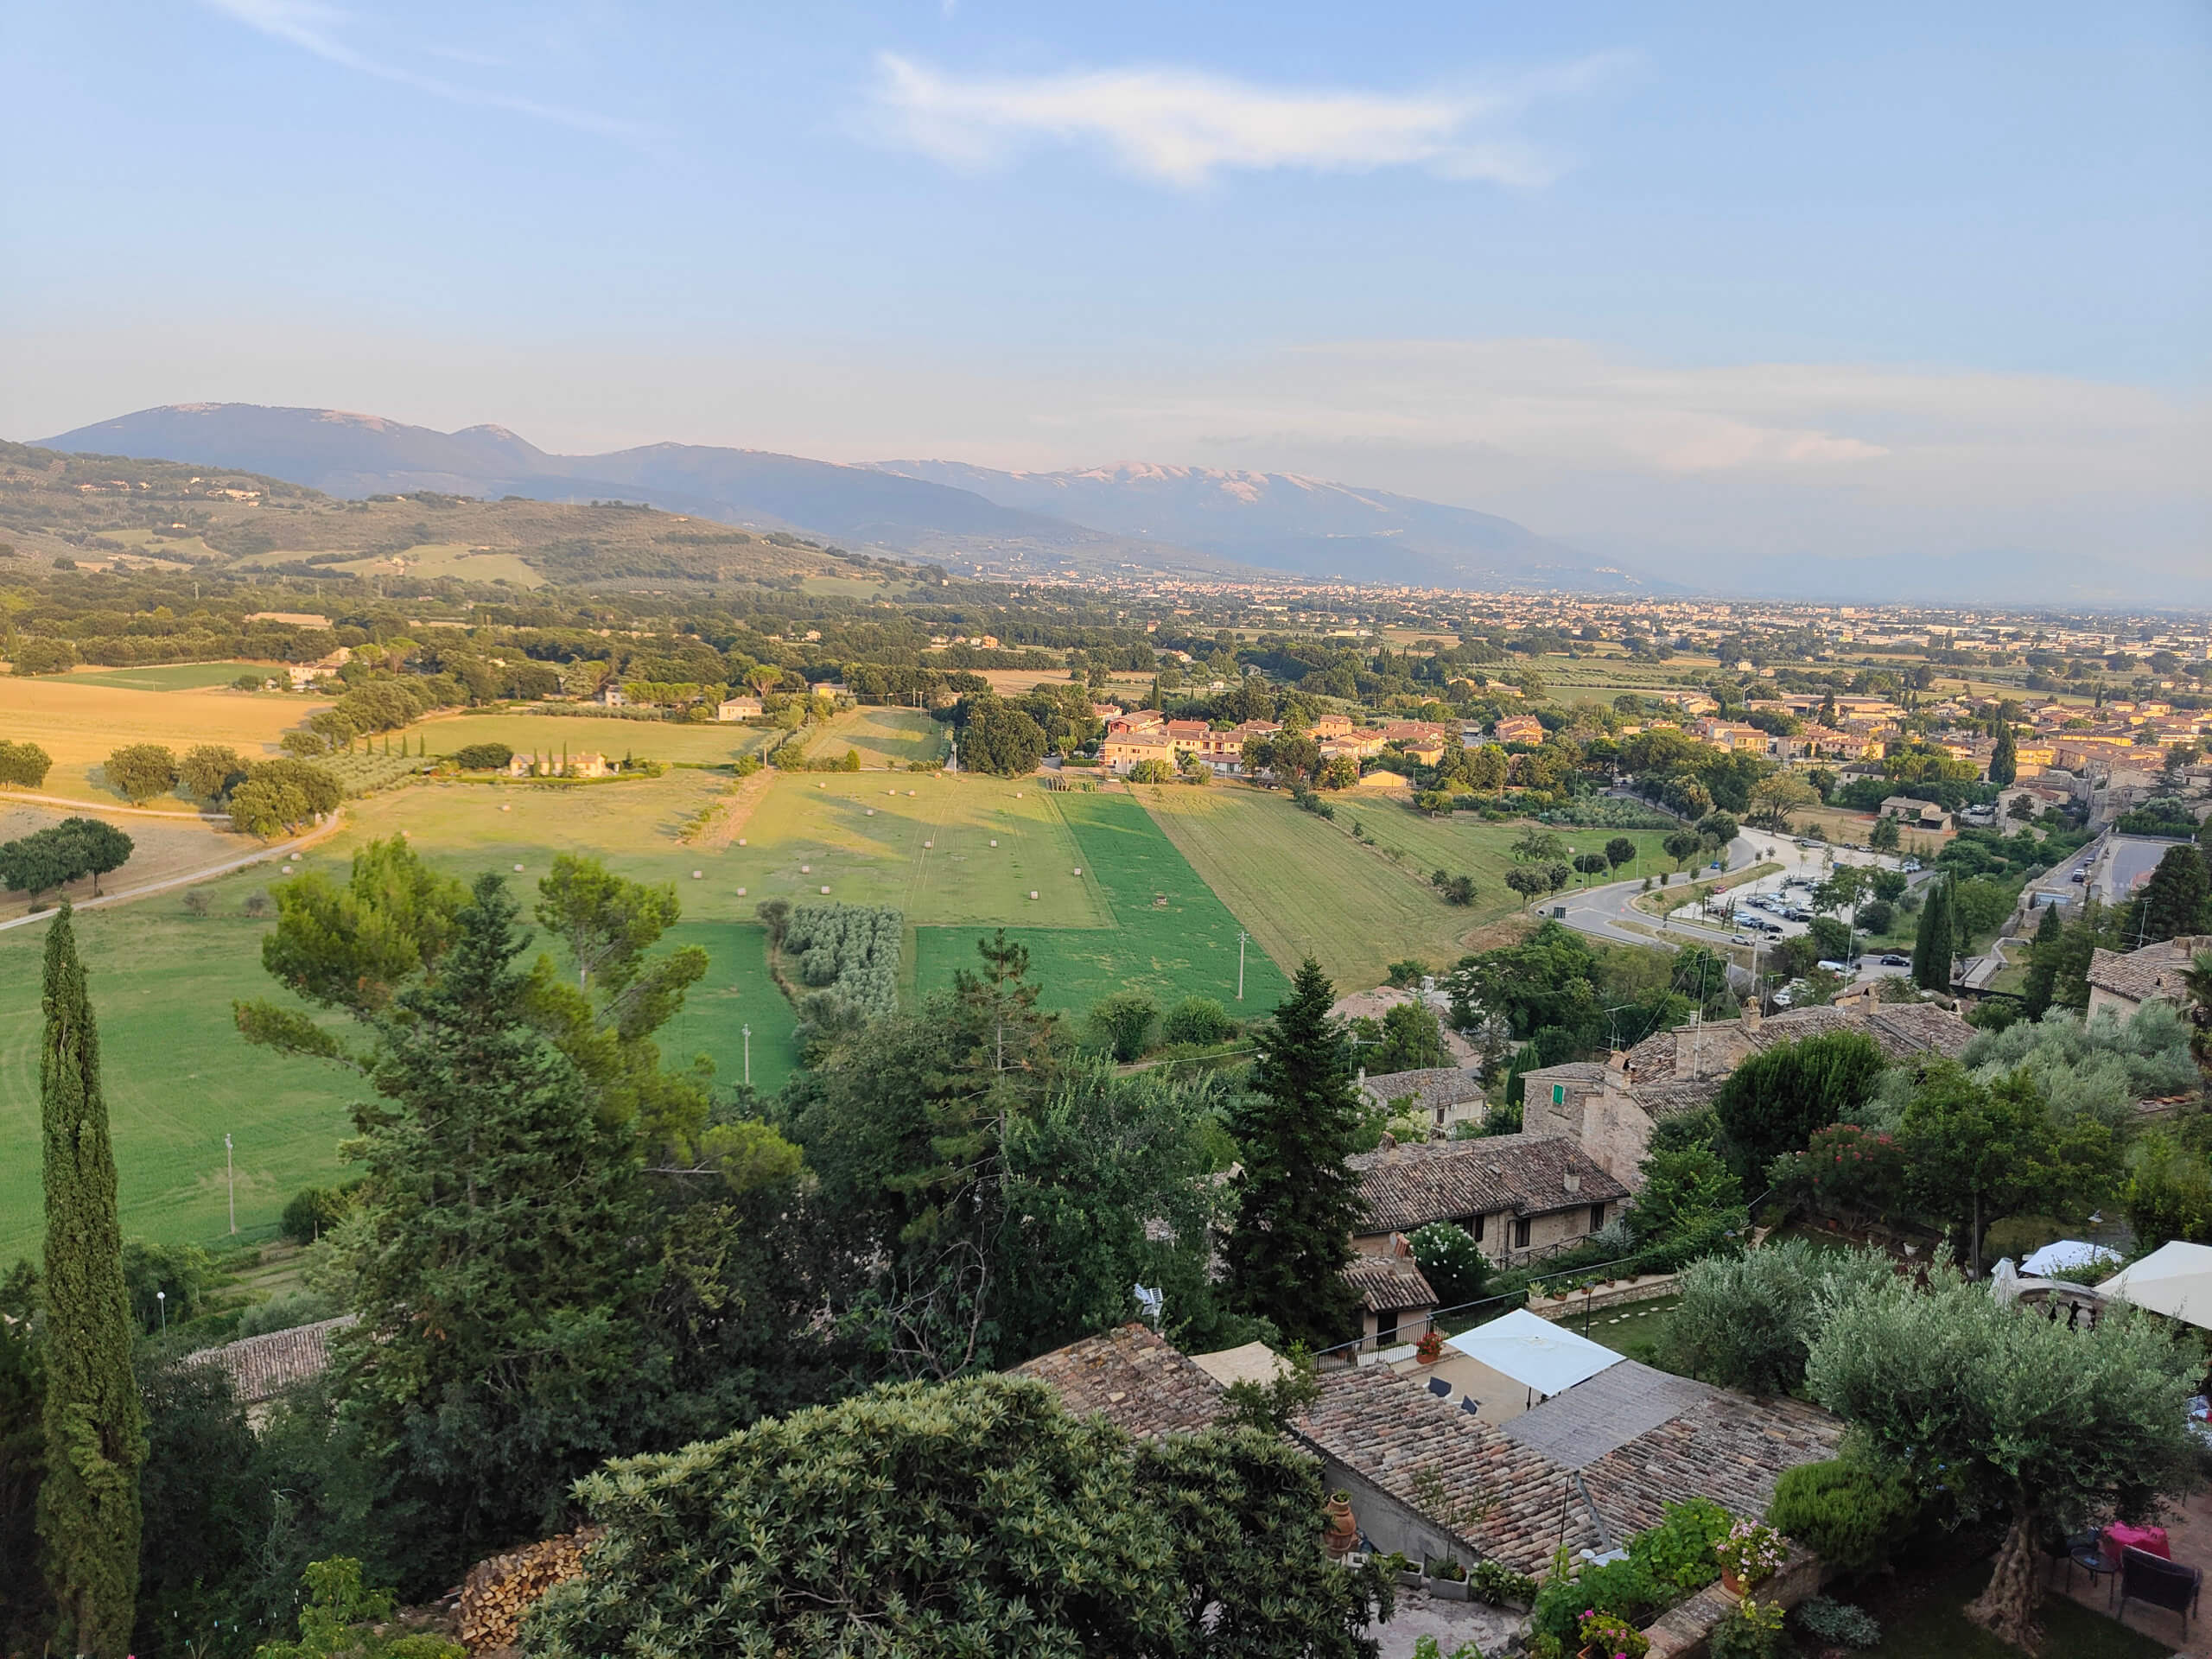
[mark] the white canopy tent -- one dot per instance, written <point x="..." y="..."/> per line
<point x="2175" y="1280"/>
<point x="1533" y="1352"/>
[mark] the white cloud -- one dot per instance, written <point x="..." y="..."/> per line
<point x="317" y="28"/>
<point x="1181" y="127"/>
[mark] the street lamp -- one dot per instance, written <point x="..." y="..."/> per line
<point x="162" y="1298"/>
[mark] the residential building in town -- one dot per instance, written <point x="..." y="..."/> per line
<point x="1521" y="1196"/>
<point x="2120" y="982"/>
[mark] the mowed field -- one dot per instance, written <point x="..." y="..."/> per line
<point x="170" y="677"/>
<point x="1308" y="888"/>
<point x="1160" y="928"/>
<point x="710" y="743"/>
<point x="893" y="738"/>
<point x="79" y="721"/>
<point x="176" y="1074"/>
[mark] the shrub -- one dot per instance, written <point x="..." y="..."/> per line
<point x="482" y="757"/>
<point x="1499" y="1584"/>
<point x="1122" y="1024"/>
<point x="24" y="764"/>
<point x="1753" y="1551"/>
<point x="287" y="1311"/>
<point x="1678" y="1551"/>
<point x="1609" y="1634"/>
<point x="314" y="1211"/>
<point x="1621" y="1588"/>
<point x="1451" y="1261"/>
<point x="1197" y="1020"/>
<point x="1751" y="1629"/>
<point x="1748" y="1322"/>
<point x="1850" y="1515"/>
<point x="1837" y="1624"/>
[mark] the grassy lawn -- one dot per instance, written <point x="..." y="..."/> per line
<point x="1938" y="1628"/>
<point x="167" y="676"/>
<point x="1622" y="1328"/>
<point x="1159" y="927"/>
<point x="883" y="736"/>
<point x="1304" y="887"/>
<point x="736" y="993"/>
<point x="79" y="721"/>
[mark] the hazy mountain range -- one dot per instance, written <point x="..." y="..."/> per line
<point x="1183" y="519"/>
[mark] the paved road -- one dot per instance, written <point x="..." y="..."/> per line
<point x="2121" y="863"/>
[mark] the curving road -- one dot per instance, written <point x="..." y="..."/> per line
<point x="322" y="831"/>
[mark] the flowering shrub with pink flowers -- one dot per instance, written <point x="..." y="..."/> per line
<point x="1752" y="1552"/>
<point x="1843" y="1168"/>
<point x="1616" y="1638"/>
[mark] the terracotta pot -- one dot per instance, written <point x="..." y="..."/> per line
<point x="1341" y="1531"/>
<point x="1730" y="1582"/>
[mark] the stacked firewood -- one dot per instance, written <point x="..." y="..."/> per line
<point x="498" y="1592"/>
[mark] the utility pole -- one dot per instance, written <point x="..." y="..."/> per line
<point x="1241" y="936"/>
<point x="748" y="1056"/>
<point x="231" y="1180"/>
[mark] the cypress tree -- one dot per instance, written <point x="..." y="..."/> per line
<point x="2178" y="899"/>
<point x="1297" y="1200"/>
<point x="2043" y="962"/>
<point x="2005" y="761"/>
<point x="1934" y="945"/>
<point x="95" y="1431"/>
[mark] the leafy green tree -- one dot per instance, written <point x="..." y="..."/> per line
<point x="139" y="772"/>
<point x="1528" y="881"/>
<point x="1883" y="837"/>
<point x="1717" y="829"/>
<point x="491" y="1261"/>
<point x="1123" y="1023"/>
<point x="22" y="1448"/>
<point x="89" y="1513"/>
<point x="1973" y="1152"/>
<point x="1748" y="1321"/>
<point x="1591" y="864"/>
<point x="1298" y="1202"/>
<point x="2012" y="1416"/>
<point x="2176" y="900"/>
<point x="1620" y="850"/>
<point x="99" y="847"/>
<point x="1681" y="846"/>
<point x="45" y="859"/>
<point x="1772" y="1103"/>
<point x="1535" y="845"/>
<point x="1412" y="1040"/>
<point x="352" y="947"/>
<point x="997" y="737"/>
<point x="1686" y="1189"/>
<point x="2043" y="963"/>
<point x="1936" y="945"/>
<point x="975" y="1516"/>
<point x="210" y="769"/>
<point x="23" y="765"/>
<point x="341" y="1617"/>
<point x="602" y="917"/>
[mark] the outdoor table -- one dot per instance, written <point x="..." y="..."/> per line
<point x="2098" y="1563"/>
<point x="2151" y="1541"/>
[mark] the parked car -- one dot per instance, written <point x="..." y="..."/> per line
<point x="1835" y="967"/>
<point x="1737" y="938"/>
<point x="1910" y="866"/>
<point x="1893" y="960"/>
<point x="1798" y="913"/>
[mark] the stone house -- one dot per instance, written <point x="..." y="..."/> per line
<point x="1444" y="1095"/>
<point x="738" y="708"/>
<point x="2120" y="982"/>
<point x="1609" y="1108"/>
<point x="1521" y="1196"/>
<point x="1394" y="1299"/>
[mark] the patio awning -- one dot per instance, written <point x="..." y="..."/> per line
<point x="2175" y="1280"/>
<point x="2066" y="1253"/>
<point x="1533" y="1352"/>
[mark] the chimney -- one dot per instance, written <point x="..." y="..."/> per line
<point x="1618" y="1061"/>
<point x="1573" y="1181"/>
<point x="1752" y="1014"/>
<point x="1399" y="1245"/>
<point x="1387" y="1145"/>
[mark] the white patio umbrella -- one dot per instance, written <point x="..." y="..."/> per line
<point x="2175" y="1280"/>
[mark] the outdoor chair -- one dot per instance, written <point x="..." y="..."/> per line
<point x="2146" y="1577"/>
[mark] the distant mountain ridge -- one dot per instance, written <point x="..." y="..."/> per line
<point x="1132" y="516"/>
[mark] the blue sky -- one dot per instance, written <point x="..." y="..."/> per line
<point x="1666" y="278"/>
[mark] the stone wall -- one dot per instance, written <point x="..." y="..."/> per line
<point x="1602" y="1296"/>
<point x="1683" y="1632"/>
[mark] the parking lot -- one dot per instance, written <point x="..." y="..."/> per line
<point x="1778" y="906"/>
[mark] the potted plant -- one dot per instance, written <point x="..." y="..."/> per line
<point x="1340" y="1531"/>
<point x="1606" y="1636"/>
<point x="1750" y="1554"/>
<point x="1429" y="1349"/>
<point x="1448" y="1580"/>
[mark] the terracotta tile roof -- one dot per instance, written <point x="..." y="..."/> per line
<point x="1652" y="1060"/>
<point x="1139" y="1380"/>
<point x="263" y="1367"/>
<point x="1674" y="1097"/>
<point x="1907" y="1028"/>
<point x="1441" y="1085"/>
<point x="1503" y="1501"/>
<point x="1658" y="1439"/>
<point x="2155" y="971"/>
<point x="1387" y="1283"/>
<point x="1406" y="1187"/>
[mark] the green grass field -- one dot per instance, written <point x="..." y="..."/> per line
<point x="711" y="742"/>
<point x="736" y="993"/>
<point x="1164" y="931"/>
<point x="177" y="1075"/>
<point x="170" y="677"/>
<point x="882" y="736"/>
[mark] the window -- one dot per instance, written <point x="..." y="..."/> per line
<point x="1596" y="1217"/>
<point x="1477" y="1230"/>
<point x="1521" y="1234"/>
<point x="1559" y="1094"/>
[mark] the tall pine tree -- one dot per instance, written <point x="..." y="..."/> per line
<point x="2176" y="900"/>
<point x="95" y="1431"/>
<point x="1298" y="1203"/>
<point x="1936" y="943"/>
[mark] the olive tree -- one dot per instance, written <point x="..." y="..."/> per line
<point x="2015" y="1417"/>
